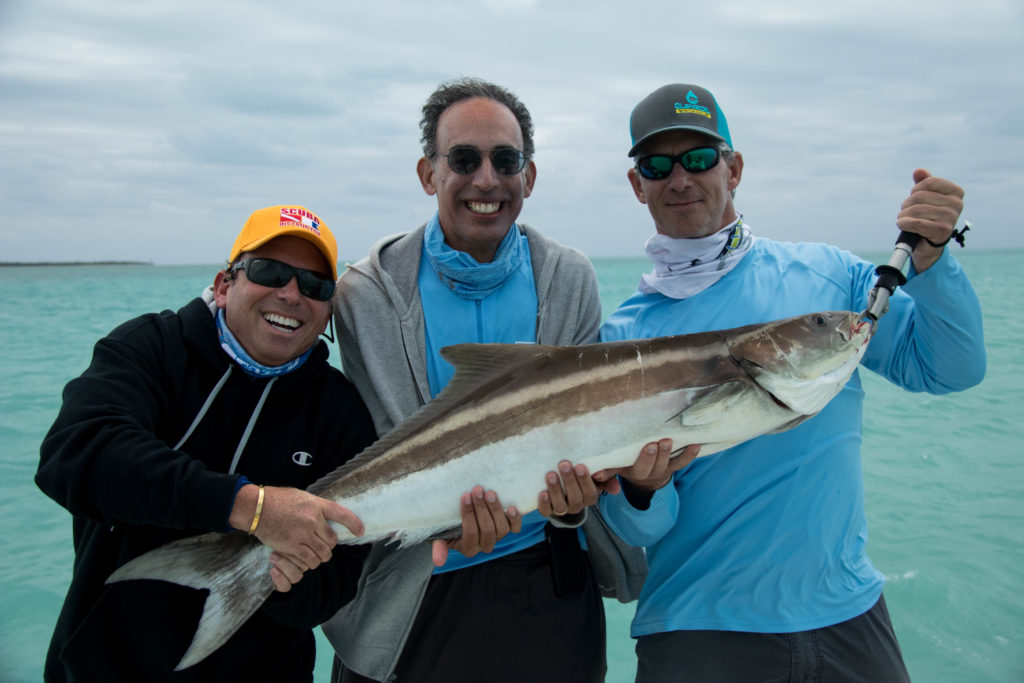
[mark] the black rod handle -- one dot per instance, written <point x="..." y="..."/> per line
<point x="890" y="276"/>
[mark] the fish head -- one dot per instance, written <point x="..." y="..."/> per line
<point x="806" y="360"/>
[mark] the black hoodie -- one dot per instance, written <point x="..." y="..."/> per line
<point x="109" y="458"/>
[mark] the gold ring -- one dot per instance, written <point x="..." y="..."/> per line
<point x="559" y="514"/>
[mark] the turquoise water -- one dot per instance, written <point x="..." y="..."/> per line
<point x="944" y="476"/>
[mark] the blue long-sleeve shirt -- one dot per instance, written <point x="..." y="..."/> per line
<point x="506" y="316"/>
<point x="769" y="536"/>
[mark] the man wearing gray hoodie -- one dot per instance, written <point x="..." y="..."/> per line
<point x="529" y="607"/>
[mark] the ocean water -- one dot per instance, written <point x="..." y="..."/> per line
<point x="944" y="476"/>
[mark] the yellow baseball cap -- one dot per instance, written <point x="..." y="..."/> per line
<point x="276" y="221"/>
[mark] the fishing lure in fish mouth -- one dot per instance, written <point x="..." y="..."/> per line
<point x="859" y="325"/>
<point x="890" y="275"/>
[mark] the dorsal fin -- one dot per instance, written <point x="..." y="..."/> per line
<point x="471" y="360"/>
<point x="475" y="364"/>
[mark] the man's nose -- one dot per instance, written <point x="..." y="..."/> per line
<point x="679" y="178"/>
<point x="290" y="290"/>
<point x="485" y="177"/>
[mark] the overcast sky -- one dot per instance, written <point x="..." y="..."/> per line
<point x="149" y="131"/>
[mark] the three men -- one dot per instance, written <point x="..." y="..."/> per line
<point x="758" y="568"/>
<point x="211" y="418"/>
<point x="757" y="553"/>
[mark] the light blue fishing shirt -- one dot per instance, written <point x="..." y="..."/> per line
<point x="769" y="536"/>
<point x="506" y="314"/>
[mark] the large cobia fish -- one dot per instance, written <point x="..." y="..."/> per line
<point x="512" y="412"/>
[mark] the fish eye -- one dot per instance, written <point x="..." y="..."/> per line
<point x="820" y="321"/>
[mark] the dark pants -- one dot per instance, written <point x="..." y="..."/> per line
<point x="504" y="620"/>
<point x="863" y="649"/>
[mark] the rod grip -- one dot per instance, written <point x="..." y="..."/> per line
<point x="908" y="238"/>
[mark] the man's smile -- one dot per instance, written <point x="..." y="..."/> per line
<point x="281" y="322"/>
<point x="486" y="208"/>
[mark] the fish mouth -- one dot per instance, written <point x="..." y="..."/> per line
<point x="860" y="327"/>
<point x="860" y="324"/>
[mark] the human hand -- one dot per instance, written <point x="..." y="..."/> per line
<point x="286" y="569"/>
<point x="653" y="468"/>
<point x="284" y="573"/>
<point x="931" y="211"/>
<point x="484" y="523"/>
<point x="569" y="492"/>
<point x="295" y="525"/>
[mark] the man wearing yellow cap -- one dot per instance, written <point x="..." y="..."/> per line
<point x="211" y="418"/>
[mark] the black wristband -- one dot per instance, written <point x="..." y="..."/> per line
<point x="637" y="497"/>
<point x="957" y="235"/>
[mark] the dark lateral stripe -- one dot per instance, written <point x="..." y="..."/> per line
<point x="568" y="382"/>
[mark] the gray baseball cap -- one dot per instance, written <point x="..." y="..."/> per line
<point x="679" y="106"/>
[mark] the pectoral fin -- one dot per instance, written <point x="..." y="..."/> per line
<point x="713" y="406"/>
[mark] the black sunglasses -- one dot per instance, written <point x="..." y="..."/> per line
<point x="271" y="273"/>
<point x="464" y="159"/>
<point x="696" y="160"/>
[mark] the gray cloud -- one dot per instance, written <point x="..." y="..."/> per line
<point x="151" y="130"/>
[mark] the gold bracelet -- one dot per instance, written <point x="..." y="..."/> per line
<point x="259" y="509"/>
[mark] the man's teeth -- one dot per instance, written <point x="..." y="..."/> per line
<point x="281" y="322"/>
<point x="484" y="207"/>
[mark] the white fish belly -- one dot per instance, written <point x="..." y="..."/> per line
<point x="426" y="502"/>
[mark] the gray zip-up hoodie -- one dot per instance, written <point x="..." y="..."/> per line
<point x="381" y="332"/>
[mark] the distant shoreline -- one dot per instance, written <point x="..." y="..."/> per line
<point x="4" y="264"/>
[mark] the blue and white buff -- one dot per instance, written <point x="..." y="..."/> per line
<point x="245" y="361"/>
<point x="463" y="274"/>
<point x="684" y="267"/>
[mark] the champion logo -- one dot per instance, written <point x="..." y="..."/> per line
<point x="300" y="218"/>
<point x="302" y="458"/>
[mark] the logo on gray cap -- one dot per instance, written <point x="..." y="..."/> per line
<point x="678" y="106"/>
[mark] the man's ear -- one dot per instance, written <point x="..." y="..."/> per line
<point x="638" y="188"/>
<point x="425" y="170"/>
<point x="329" y="322"/>
<point x="529" y="178"/>
<point x="735" y="171"/>
<point x="220" y="288"/>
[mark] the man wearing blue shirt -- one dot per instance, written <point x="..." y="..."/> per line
<point x="529" y="607"/>
<point x="758" y="568"/>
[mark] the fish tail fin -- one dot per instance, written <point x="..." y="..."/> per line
<point x="235" y="569"/>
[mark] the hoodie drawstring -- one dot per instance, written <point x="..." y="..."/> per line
<point x="248" y="428"/>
